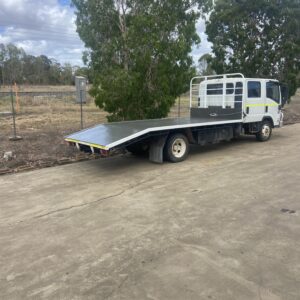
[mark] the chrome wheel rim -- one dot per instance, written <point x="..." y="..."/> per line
<point x="178" y="148"/>
<point x="266" y="130"/>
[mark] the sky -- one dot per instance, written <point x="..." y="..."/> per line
<point x="48" y="27"/>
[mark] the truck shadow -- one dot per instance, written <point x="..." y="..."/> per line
<point x="242" y="141"/>
<point x="219" y="147"/>
<point x="123" y="162"/>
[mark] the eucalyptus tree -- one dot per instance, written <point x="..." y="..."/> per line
<point x="259" y="38"/>
<point x="140" y="53"/>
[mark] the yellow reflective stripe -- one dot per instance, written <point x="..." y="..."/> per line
<point x="261" y="104"/>
<point x="87" y="144"/>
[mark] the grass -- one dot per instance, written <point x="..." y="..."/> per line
<point x="40" y="112"/>
<point x="43" y="122"/>
<point x="40" y="88"/>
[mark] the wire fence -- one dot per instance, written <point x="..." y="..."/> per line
<point x="46" y="107"/>
<point x="35" y="119"/>
<point x="41" y="107"/>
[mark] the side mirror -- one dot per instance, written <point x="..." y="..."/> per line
<point x="284" y="94"/>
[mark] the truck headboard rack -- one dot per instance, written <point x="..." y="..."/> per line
<point x="196" y="81"/>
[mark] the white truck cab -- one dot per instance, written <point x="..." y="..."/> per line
<point x="256" y="100"/>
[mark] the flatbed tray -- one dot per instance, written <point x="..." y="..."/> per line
<point x="110" y="135"/>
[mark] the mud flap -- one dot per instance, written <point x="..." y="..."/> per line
<point x="156" y="151"/>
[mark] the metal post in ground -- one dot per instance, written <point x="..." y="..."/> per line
<point x="81" y="111"/>
<point x="15" y="137"/>
<point x="3" y="74"/>
<point x="80" y="83"/>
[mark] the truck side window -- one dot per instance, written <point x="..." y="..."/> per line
<point x="254" y="89"/>
<point x="229" y="89"/>
<point x="239" y="88"/>
<point x="215" y="89"/>
<point x="238" y="97"/>
<point x="273" y="91"/>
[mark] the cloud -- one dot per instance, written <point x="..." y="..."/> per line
<point x="48" y="27"/>
<point x="41" y="27"/>
<point x="205" y="46"/>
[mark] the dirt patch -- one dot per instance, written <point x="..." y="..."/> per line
<point x="292" y="110"/>
<point x="42" y="126"/>
<point x="42" y="122"/>
<point x="38" y="149"/>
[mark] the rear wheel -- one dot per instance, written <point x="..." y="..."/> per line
<point x="265" y="132"/>
<point x="177" y="148"/>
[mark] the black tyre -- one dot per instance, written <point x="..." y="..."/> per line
<point x="138" y="149"/>
<point x="265" y="132"/>
<point x="177" y="148"/>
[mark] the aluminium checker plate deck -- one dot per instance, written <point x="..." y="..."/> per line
<point x="108" y="136"/>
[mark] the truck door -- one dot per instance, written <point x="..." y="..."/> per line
<point x="273" y="101"/>
<point x="254" y="107"/>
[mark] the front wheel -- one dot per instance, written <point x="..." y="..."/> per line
<point x="265" y="132"/>
<point x="177" y="148"/>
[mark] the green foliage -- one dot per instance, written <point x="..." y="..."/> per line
<point x="11" y="57"/>
<point x="17" y="66"/>
<point x="258" y="38"/>
<point x="139" y="53"/>
<point x="205" y="65"/>
<point x="85" y="72"/>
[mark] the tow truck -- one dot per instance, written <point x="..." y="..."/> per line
<point x="222" y="107"/>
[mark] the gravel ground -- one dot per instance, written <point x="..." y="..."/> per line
<point x="224" y="224"/>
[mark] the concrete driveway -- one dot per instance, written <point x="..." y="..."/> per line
<point x="222" y="225"/>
